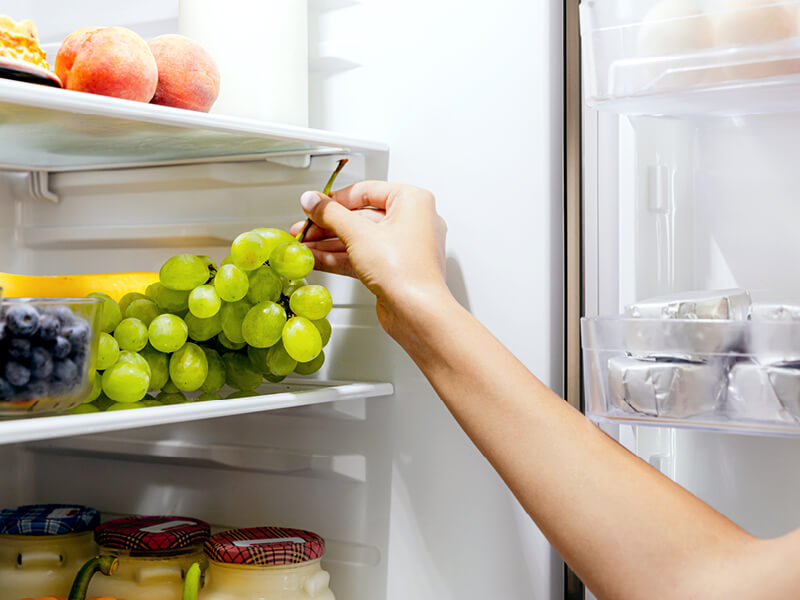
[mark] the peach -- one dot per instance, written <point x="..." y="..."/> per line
<point x="111" y="61"/>
<point x="187" y="75"/>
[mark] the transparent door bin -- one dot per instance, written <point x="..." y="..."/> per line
<point x="692" y="56"/>
<point x="738" y="376"/>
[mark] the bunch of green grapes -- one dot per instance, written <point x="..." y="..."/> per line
<point x="202" y="327"/>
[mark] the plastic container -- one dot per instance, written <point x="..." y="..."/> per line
<point x="47" y="347"/>
<point x="261" y="563"/>
<point x="636" y="52"/>
<point x="154" y="554"/>
<point x="730" y="375"/>
<point x="42" y="547"/>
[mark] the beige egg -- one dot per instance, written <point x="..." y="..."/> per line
<point x="673" y="28"/>
<point x="750" y="23"/>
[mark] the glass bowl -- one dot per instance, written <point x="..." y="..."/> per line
<point x="48" y="348"/>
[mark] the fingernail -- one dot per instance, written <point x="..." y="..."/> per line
<point x="309" y="200"/>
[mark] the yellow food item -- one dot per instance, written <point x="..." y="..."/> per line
<point x="115" y="285"/>
<point x="21" y="41"/>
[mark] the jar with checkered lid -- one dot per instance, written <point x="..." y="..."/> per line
<point x="266" y="563"/>
<point x="42" y="548"/>
<point x="154" y="552"/>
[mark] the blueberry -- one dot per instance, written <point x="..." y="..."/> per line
<point x="19" y="349"/>
<point x="49" y="327"/>
<point x="79" y="335"/>
<point x="2" y="330"/>
<point x="67" y="371"/>
<point x="79" y="355"/>
<point x="41" y="364"/>
<point x="22" y="320"/>
<point x="5" y="389"/>
<point x="61" y="348"/>
<point x="36" y="389"/>
<point x="63" y="314"/>
<point x="17" y="374"/>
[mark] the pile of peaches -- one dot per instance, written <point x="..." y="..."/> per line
<point x="171" y="70"/>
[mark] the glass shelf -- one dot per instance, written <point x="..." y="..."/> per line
<point x="50" y="129"/>
<point x="267" y="397"/>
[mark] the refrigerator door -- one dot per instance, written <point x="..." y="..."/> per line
<point x="469" y="98"/>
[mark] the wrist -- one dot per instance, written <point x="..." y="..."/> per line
<point x="409" y="317"/>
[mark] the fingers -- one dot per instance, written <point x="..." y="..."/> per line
<point x="316" y="233"/>
<point x="333" y="262"/>
<point x="329" y="214"/>
<point x="366" y="193"/>
<point x="335" y="245"/>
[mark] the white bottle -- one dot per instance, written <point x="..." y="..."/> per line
<point x="261" y="48"/>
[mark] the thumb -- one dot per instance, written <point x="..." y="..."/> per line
<point x="329" y="214"/>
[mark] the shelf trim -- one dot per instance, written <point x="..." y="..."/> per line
<point x="43" y="428"/>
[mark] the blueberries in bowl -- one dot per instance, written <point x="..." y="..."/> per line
<point x="45" y="351"/>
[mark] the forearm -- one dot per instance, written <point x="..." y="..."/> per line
<point x="628" y="531"/>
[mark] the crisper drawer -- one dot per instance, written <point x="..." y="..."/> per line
<point x="677" y="56"/>
<point x="739" y="376"/>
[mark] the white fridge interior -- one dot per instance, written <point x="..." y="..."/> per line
<point x="364" y="453"/>
<point x="690" y="184"/>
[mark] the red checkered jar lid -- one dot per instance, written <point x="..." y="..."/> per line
<point x="152" y="534"/>
<point x="265" y="546"/>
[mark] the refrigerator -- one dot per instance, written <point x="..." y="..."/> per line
<point x="461" y="98"/>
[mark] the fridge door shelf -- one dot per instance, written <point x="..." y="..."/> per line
<point x="267" y="397"/>
<point x="734" y="376"/>
<point x="678" y="57"/>
<point x="49" y="129"/>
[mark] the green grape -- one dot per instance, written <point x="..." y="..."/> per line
<point x="232" y="315"/>
<point x="231" y="283"/>
<point x="168" y="333"/>
<point x="170" y="388"/>
<point x="208" y="396"/>
<point x="135" y="359"/>
<point x="265" y="284"/>
<point x="240" y="394"/>
<point x="274" y="378"/>
<point x="112" y="315"/>
<point x="97" y="387"/>
<point x="201" y="330"/>
<point x="324" y="328"/>
<point x="125" y="382"/>
<point x="143" y="309"/>
<point x="159" y="367"/>
<point x="184" y="272"/>
<point x="279" y="361"/>
<point x="126" y="300"/>
<point x="258" y="358"/>
<point x="226" y="343"/>
<point x="171" y="301"/>
<point x="204" y="302"/>
<point x="312" y="366"/>
<point x="149" y="402"/>
<point x="83" y="409"/>
<point x="292" y="260"/>
<point x="263" y="324"/>
<point x="226" y="261"/>
<point x="216" y="371"/>
<point x="167" y="398"/>
<point x="107" y="351"/>
<point x="273" y="237"/>
<point x="311" y="301"/>
<point x="152" y="291"/>
<point x="249" y="251"/>
<point x="209" y="263"/>
<point x="131" y="334"/>
<point x="290" y="285"/>
<point x="126" y="406"/>
<point x="301" y="339"/>
<point x="188" y="367"/>
<point x="239" y="373"/>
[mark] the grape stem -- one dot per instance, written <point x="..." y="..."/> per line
<point x="327" y="191"/>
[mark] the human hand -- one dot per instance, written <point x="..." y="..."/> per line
<point x="388" y="235"/>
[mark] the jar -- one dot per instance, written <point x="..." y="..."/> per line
<point x="265" y="563"/>
<point x="42" y="548"/>
<point x="154" y="554"/>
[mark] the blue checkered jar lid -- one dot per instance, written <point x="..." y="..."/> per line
<point x="48" y="519"/>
